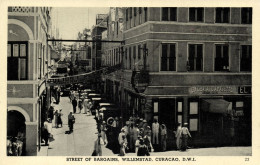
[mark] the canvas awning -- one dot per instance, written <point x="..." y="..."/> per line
<point x="215" y="105"/>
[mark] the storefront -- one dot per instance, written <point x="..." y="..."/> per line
<point x="217" y="115"/>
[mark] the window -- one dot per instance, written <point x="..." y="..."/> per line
<point x="179" y="112"/>
<point x="168" y="57"/>
<point x="145" y="14"/>
<point x="134" y="55"/>
<point x="130" y="58"/>
<point x="17" y="65"/>
<point x="135" y="11"/>
<point x="222" y="58"/>
<point x="246" y="58"/>
<point x="140" y="15"/>
<point x="193" y="115"/>
<point x="130" y="12"/>
<point x="169" y="14"/>
<point x="195" y="59"/>
<point x="125" y="63"/>
<point x="126" y="14"/>
<point x="117" y="28"/>
<point x="196" y="14"/>
<point x="246" y="15"/>
<point x="222" y="15"/>
<point x="139" y="52"/>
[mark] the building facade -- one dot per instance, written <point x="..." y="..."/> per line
<point x="199" y="67"/>
<point x="28" y="57"/>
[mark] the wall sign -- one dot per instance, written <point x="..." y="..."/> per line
<point x="245" y="90"/>
<point x="213" y="90"/>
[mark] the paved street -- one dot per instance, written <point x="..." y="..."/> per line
<point x="81" y="141"/>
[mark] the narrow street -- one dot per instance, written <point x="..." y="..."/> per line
<point x="80" y="142"/>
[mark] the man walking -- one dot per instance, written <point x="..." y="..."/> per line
<point x="71" y="121"/>
<point x="74" y="104"/>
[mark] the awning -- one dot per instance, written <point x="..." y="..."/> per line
<point x="215" y="105"/>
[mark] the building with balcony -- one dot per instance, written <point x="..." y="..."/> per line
<point x="28" y="97"/>
<point x="199" y="67"/>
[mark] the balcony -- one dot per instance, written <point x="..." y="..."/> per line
<point x="19" y="9"/>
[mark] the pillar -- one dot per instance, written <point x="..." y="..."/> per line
<point x="185" y="116"/>
<point x="31" y="138"/>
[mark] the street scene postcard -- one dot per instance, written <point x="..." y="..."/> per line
<point x="129" y="84"/>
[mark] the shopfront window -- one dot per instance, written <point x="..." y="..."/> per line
<point x="193" y="115"/>
<point x="179" y="112"/>
<point x="17" y="61"/>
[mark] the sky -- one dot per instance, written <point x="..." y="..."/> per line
<point x="72" y="20"/>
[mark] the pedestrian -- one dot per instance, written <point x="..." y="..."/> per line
<point x="131" y="137"/>
<point x="56" y="115"/>
<point x="50" y="113"/>
<point x="121" y="134"/>
<point x="103" y="132"/>
<point x="59" y="118"/>
<point x="137" y="144"/>
<point x="148" y="143"/>
<point x="142" y="150"/>
<point x="97" y="146"/>
<point x="140" y="123"/>
<point x="185" y="134"/>
<point x="155" y="131"/>
<point x="80" y="104"/>
<point x="163" y="137"/>
<point x="178" y="136"/>
<point x="90" y="105"/>
<point x="74" y="104"/>
<point x="71" y="121"/>
<point x="46" y="131"/>
<point x="123" y="145"/>
<point x="145" y="124"/>
<point x="136" y="133"/>
<point x="148" y="132"/>
<point x="85" y="104"/>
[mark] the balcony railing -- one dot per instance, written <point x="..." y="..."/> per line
<point x="19" y="9"/>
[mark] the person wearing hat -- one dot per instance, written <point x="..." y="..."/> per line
<point x="74" y="105"/>
<point x="185" y="133"/>
<point x="145" y="124"/>
<point x="140" y="123"/>
<point x="120" y="139"/>
<point x="137" y="143"/>
<point x="178" y="136"/>
<point x="163" y="137"/>
<point x="103" y="128"/>
<point x="71" y="121"/>
<point x="142" y="150"/>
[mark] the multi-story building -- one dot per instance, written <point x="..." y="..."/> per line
<point x="28" y="57"/>
<point x="101" y="25"/>
<point x="189" y="65"/>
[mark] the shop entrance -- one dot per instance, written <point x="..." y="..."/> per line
<point x="15" y="133"/>
<point x="167" y="116"/>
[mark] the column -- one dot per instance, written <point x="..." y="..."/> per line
<point x="31" y="138"/>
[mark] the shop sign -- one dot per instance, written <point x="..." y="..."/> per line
<point x="213" y="90"/>
<point x="245" y="90"/>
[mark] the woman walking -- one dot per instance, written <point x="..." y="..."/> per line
<point x="59" y="118"/>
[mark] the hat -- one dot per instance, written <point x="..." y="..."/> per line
<point x="185" y="123"/>
<point x="122" y="130"/>
<point x="104" y="122"/>
<point x="141" y="119"/>
<point x="127" y="122"/>
<point x="144" y="121"/>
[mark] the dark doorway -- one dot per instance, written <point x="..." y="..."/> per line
<point x="167" y="116"/>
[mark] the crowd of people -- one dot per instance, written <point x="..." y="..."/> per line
<point x="138" y="136"/>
